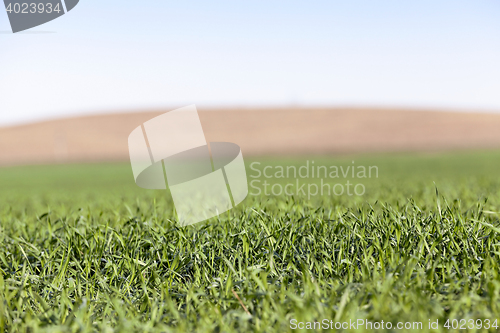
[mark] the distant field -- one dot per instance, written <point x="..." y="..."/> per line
<point x="259" y="132"/>
<point x="82" y="249"/>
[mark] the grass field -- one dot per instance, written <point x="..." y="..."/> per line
<point x="82" y="249"/>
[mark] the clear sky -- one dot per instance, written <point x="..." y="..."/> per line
<point x="126" y="55"/>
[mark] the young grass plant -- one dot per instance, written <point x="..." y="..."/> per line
<point x="100" y="255"/>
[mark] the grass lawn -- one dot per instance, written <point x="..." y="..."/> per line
<point x="83" y="249"/>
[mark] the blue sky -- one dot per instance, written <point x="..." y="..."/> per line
<point x="110" y="56"/>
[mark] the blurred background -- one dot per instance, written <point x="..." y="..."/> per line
<point x="280" y="78"/>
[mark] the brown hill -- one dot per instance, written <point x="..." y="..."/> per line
<point x="259" y="132"/>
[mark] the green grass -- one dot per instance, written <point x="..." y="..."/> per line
<point x="82" y="249"/>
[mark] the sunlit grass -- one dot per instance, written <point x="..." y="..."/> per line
<point x="83" y="249"/>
